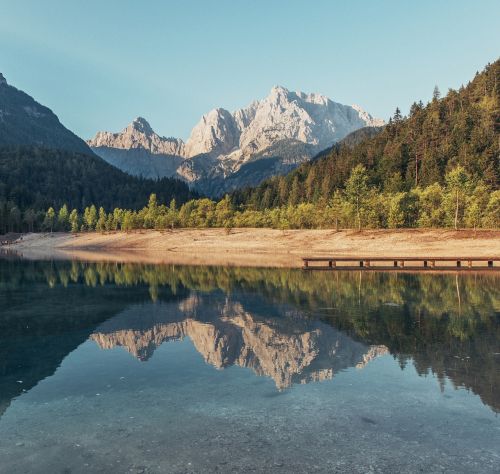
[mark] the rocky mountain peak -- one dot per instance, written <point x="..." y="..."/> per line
<point x="142" y="125"/>
<point x="138" y="135"/>
<point x="289" y="126"/>
<point x="3" y="81"/>
<point x="277" y="91"/>
<point x="217" y="132"/>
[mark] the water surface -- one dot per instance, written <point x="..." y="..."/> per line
<point x="141" y="368"/>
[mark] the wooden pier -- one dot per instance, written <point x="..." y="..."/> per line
<point x="399" y="263"/>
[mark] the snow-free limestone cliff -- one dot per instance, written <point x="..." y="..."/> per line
<point x="289" y="127"/>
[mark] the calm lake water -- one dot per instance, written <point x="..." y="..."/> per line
<point x="140" y="368"/>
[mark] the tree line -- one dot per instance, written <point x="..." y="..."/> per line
<point x="462" y="202"/>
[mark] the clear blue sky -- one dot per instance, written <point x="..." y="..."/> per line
<point x="100" y="63"/>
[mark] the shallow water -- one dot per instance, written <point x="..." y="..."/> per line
<point x="141" y="368"/>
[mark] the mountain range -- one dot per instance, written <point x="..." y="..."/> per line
<point x="44" y="164"/>
<point x="280" y="131"/>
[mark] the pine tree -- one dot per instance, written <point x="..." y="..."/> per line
<point x="127" y="221"/>
<point x="90" y="217"/>
<point x="50" y="219"/>
<point x="336" y="208"/>
<point x="457" y="183"/>
<point x="294" y="196"/>
<point x="29" y="219"/>
<point x="310" y="184"/>
<point x="436" y="94"/>
<point x="397" y="115"/>
<point x="74" y="221"/>
<point x="357" y="190"/>
<point x="151" y="213"/>
<point x="101" y="221"/>
<point x="117" y="218"/>
<point x="282" y="191"/>
<point x="15" y="218"/>
<point x="63" y="218"/>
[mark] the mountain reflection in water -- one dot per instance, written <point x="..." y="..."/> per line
<point x="288" y="347"/>
<point x="292" y="326"/>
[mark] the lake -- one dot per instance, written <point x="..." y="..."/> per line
<point x="110" y="367"/>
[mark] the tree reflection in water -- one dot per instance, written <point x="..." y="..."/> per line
<point x="293" y="326"/>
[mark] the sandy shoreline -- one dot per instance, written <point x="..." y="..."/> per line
<point x="253" y="247"/>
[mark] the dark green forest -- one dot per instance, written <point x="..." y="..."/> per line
<point x="33" y="179"/>
<point x="461" y="128"/>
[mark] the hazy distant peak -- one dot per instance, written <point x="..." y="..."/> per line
<point x="3" y="81"/>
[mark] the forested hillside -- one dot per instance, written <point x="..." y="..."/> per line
<point x="462" y="128"/>
<point x="33" y="179"/>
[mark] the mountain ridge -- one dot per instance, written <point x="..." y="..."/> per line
<point x="24" y="121"/>
<point x="222" y="141"/>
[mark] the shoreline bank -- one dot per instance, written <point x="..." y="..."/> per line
<point x="252" y="247"/>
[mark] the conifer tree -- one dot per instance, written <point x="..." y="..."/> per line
<point x="63" y="218"/>
<point x="50" y="219"/>
<point x="357" y="190"/>
<point x="29" y="219"/>
<point x="436" y="94"/>
<point x="101" y="221"/>
<point x="294" y="196"/>
<point x="90" y="217"/>
<point x="74" y="221"/>
<point x="457" y="182"/>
